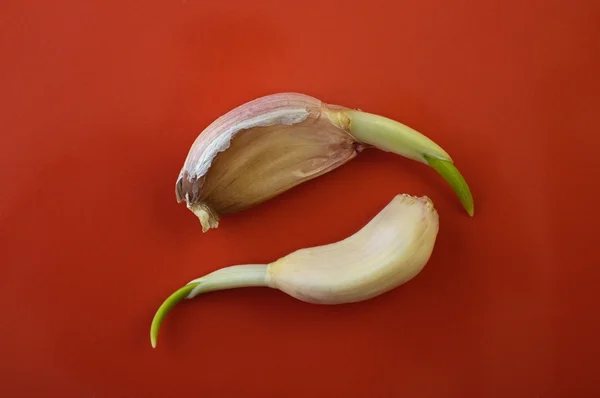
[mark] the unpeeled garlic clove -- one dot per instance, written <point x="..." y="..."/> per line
<point x="391" y="249"/>
<point x="271" y="144"/>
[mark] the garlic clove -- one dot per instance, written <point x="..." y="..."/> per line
<point x="387" y="252"/>
<point x="391" y="249"/>
<point x="273" y="143"/>
<point x="257" y="151"/>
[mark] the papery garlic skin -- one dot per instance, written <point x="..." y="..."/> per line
<point x="271" y="144"/>
<point x="284" y="109"/>
<point x="391" y="249"/>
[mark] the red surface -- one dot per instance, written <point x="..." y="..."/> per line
<point x="101" y="100"/>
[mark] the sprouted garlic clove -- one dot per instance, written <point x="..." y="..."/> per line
<point x="391" y="249"/>
<point x="271" y="144"/>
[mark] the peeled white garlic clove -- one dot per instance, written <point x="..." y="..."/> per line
<point x="271" y="144"/>
<point x="388" y="251"/>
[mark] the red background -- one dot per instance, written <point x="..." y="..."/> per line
<point x="100" y="101"/>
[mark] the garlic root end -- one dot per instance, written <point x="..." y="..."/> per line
<point x="208" y="217"/>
